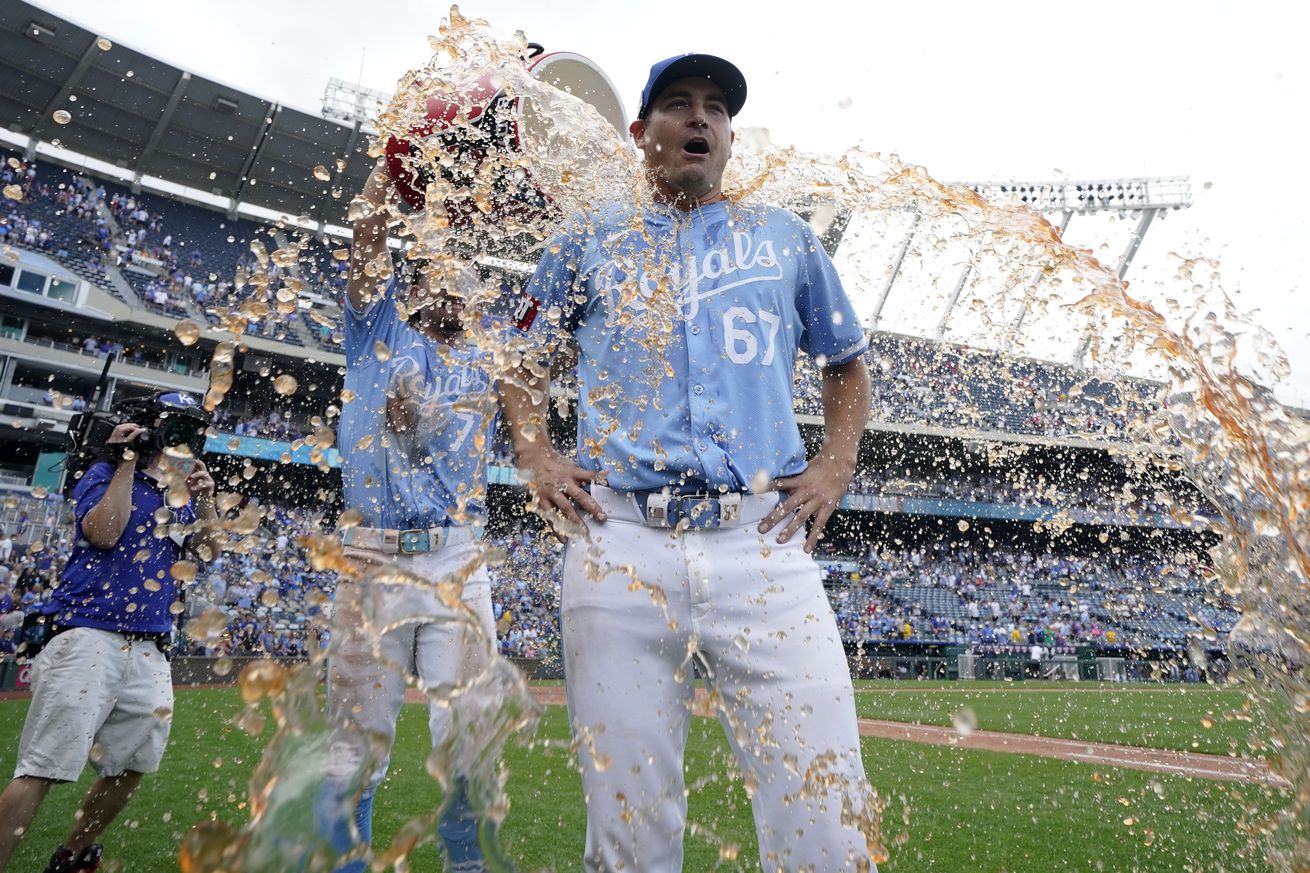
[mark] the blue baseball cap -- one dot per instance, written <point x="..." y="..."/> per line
<point x="717" y="70"/>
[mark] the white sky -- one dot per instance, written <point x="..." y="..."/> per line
<point x="971" y="91"/>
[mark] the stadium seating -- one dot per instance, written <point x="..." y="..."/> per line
<point x="57" y="216"/>
<point x="1020" y="598"/>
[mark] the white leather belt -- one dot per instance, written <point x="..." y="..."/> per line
<point x="414" y="541"/>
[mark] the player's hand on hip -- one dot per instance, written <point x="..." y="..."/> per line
<point x="812" y="496"/>
<point x="560" y="488"/>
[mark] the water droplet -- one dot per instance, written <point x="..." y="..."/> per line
<point x="103" y="44"/>
<point x="322" y="173"/>
<point x="965" y="721"/>
<point x="183" y="571"/>
<point x="187" y="332"/>
<point x="381" y="352"/>
<point x="62" y="116"/>
<point x="962" y="525"/>
<point x="260" y="679"/>
<point x="207" y="627"/>
<point x="285" y="385"/>
<point x="14" y="192"/>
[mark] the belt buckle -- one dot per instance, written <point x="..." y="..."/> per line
<point x="413" y="541"/>
<point x="702" y="511"/>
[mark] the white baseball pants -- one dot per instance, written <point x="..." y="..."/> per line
<point x="638" y="602"/>
<point x="383" y="634"/>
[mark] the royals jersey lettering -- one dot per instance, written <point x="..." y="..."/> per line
<point x="432" y="474"/>
<point x="707" y="311"/>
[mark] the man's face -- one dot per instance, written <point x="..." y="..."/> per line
<point x="687" y="138"/>
<point x="436" y="309"/>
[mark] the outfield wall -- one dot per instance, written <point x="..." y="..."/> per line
<point x="910" y="662"/>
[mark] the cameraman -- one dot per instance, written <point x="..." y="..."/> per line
<point x="101" y="685"/>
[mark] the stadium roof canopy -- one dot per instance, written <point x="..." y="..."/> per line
<point x="153" y="119"/>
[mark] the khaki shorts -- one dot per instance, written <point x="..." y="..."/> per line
<point x="97" y="697"/>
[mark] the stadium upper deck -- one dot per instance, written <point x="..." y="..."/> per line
<point x="106" y="257"/>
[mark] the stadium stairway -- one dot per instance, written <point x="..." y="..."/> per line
<point x="121" y="287"/>
<point x="301" y="330"/>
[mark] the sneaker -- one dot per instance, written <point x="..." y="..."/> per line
<point x="63" y="861"/>
<point x="60" y="862"/>
<point x="88" y="859"/>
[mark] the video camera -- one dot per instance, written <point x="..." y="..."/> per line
<point x="170" y="418"/>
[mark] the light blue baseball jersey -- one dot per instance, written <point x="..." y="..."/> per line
<point x="688" y="326"/>
<point x="433" y="475"/>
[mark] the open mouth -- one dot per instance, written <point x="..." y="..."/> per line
<point x="697" y="146"/>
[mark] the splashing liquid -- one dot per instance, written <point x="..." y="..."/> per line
<point x="486" y="197"/>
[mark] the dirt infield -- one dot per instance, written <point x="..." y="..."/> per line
<point x="1192" y="764"/>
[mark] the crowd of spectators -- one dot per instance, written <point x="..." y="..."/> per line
<point x="273" y="599"/>
<point x="58" y="217"/>
<point x="998" y="597"/>
<point x="916" y="381"/>
<point x="27" y="577"/>
<point x="995" y="599"/>
<point x="525" y="594"/>
<point x="272" y="425"/>
<point x="1016" y="490"/>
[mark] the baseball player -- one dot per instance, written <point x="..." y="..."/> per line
<point x="414" y="436"/>
<point x="102" y="689"/>
<point x="693" y="481"/>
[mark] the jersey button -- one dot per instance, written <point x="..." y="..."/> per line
<point x="698" y="390"/>
<point x="695" y="330"/>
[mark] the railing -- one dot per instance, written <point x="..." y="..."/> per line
<point x="69" y="347"/>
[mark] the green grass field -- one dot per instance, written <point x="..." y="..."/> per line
<point x="956" y="809"/>
<point x="1176" y="717"/>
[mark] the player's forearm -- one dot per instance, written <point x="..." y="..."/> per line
<point x="524" y="399"/>
<point x="370" y="260"/>
<point x="845" y="409"/>
<point x="106" y="521"/>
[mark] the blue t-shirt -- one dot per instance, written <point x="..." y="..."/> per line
<point x="688" y="324"/>
<point x="434" y="475"/>
<point x="128" y="587"/>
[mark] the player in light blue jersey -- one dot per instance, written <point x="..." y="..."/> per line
<point x="688" y="315"/>
<point x="418" y="414"/>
